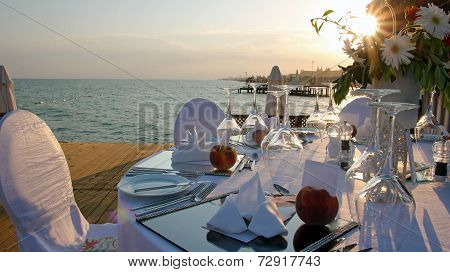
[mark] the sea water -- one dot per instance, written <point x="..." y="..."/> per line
<point x="132" y="111"/>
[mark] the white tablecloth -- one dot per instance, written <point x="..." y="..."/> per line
<point x="429" y="231"/>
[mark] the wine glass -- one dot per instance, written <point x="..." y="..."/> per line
<point x="277" y="93"/>
<point x="314" y="121"/>
<point x="384" y="205"/>
<point x="330" y="116"/>
<point x="427" y="128"/>
<point x="254" y="128"/>
<point x="370" y="162"/>
<point x="283" y="151"/>
<point x="228" y="130"/>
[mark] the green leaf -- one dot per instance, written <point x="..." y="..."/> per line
<point x="328" y="12"/>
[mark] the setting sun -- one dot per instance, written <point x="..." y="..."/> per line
<point x="366" y="25"/>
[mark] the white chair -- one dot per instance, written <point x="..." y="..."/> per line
<point x="201" y="113"/>
<point x="36" y="190"/>
<point x="356" y="112"/>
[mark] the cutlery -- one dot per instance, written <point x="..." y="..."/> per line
<point x="330" y="237"/>
<point x="252" y="165"/>
<point x="346" y="248"/>
<point x="197" y="197"/>
<point x="243" y="164"/>
<point x="366" y="249"/>
<point x="181" y="206"/>
<point x="280" y="189"/>
<point x="171" y="199"/>
<point x="183" y="184"/>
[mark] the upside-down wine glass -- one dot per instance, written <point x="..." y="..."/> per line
<point x="315" y="120"/>
<point x="228" y="130"/>
<point x="254" y="128"/>
<point x="330" y="116"/>
<point x="427" y="128"/>
<point x="372" y="159"/>
<point x="384" y="205"/>
<point x="283" y="151"/>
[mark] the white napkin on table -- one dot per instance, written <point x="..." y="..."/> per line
<point x="250" y="203"/>
<point x="195" y="150"/>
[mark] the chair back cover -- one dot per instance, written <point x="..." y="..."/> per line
<point x="36" y="188"/>
<point x="7" y="97"/>
<point x="275" y="78"/>
<point x="356" y="112"/>
<point x="201" y="113"/>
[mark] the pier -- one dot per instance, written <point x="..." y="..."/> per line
<point x="301" y="90"/>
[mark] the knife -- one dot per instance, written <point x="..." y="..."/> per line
<point x="183" y="184"/>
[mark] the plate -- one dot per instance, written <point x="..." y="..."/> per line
<point x="306" y="131"/>
<point x="154" y="180"/>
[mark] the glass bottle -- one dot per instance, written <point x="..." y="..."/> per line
<point x="346" y="152"/>
<point x="334" y="143"/>
<point x="441" y="157"/>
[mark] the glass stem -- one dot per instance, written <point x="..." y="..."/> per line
<point x="255" y="110"/>
<point x="376" y="135"/>
<point x="316" y="109"/>
<point x="391" y="146"/>
<point x="278" y="111"/>
<point x="286" y="113"/>
<point x="229" y="106"/>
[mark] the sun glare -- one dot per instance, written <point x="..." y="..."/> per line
<point x="366" y="25"/>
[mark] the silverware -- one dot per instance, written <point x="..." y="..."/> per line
<point x="280" y="189"/>
<point x="197" y="197"/>
<point x="346" y="248"/>
<point x="184" y="205"/>
<point x="252" y="165"/>
<point x="171" y="199"/>
<point x="183" y="184"/>
<point x="366" y="249"/>
<point x="330" y="237"/>
<point x="243" y="163"/>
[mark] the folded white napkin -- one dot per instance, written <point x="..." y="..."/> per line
<point x="195" y="150"/>
<point x="322" y="176"/>
<point x="251" y="204"/>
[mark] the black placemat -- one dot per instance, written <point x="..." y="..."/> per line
<point x="184" y="229"/>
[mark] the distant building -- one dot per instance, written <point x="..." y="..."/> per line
<point x="320" y="75"/>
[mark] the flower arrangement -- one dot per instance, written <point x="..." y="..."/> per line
<point x="420" y="49"/>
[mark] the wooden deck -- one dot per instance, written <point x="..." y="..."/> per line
<point x="96" y="169"/>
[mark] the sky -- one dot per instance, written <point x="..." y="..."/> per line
<point x="167" y="39"/>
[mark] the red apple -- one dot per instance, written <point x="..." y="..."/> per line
<point x="223" y="157"/>
<point x="316" y="207"/>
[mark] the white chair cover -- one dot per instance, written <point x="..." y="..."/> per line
<point x="36" y="188"/>
<point x="356" y="112"/>
<point x="7" y="97"/>
<point x="201" y="113"/>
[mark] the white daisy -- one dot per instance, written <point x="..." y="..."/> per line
<point x="348" y="48"/>
<point x="434" y="20"/>
<point x="396" y="51"/>
<point x="351" y="52"/>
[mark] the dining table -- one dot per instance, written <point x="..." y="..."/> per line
<point x="428" y="231"/>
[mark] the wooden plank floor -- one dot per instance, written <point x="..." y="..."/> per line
<point x="96" y="168"/>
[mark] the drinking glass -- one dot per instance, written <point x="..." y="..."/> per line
<point x="315" y="120"/>
<point x="384" y="205"/>
<point x="330" y="116"/>
<point x="278" y="93"/>
<point x="427" y="128"/>
<point x="254" y="128"/>
<point x="228" y="130"/>
<point x="283" y="152"/>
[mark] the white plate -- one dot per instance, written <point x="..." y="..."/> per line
<point x="154" y="180"/>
